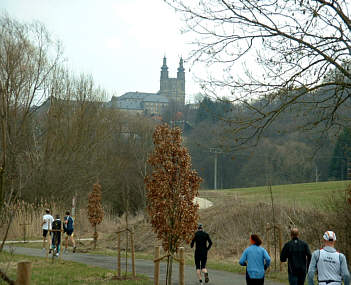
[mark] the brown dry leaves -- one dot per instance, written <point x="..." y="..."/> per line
<point x="171" y="189"/>
<point x="95" y="210"/>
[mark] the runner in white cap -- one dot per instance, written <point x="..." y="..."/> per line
<point x="330" y="264"/>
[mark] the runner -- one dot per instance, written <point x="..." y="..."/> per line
<point x="298" y="254"/>
<point x="68" y="229"/>
<point x="56" y="234"/>
<point x="256" y="260"/>
<point x="201" y="238"/>
<point x="46" y="226"/>
<point x="331" y="266"/>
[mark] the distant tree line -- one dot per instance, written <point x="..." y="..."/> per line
<point x="285" y="153"/>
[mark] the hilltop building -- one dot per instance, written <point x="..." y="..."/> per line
<point x="171" y="90"/>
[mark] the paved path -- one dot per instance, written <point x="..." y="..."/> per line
<point x="145" y="267"/>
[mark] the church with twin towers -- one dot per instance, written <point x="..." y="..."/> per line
<point x="172" y="90"/>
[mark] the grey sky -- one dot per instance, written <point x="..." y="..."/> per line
<point x="120" y="42"/>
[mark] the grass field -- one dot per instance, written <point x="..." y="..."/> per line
<point x="299" y="194"/>
<point x="64" y="272"/>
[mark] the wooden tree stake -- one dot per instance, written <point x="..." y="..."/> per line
<point x="133" y="255"/>
<point x="23" y="273"/>
<point x="157" y="265"/>
<point x="118" y="254"/>
<point x="181" y="266"/>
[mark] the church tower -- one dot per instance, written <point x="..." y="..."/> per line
<point x="181" y="83"/>
<point x="173" y="88"/>
<point x="164" y="77"/>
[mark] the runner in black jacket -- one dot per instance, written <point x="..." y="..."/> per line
<point x="201" y="239"/>
<point x="299" y="256"/>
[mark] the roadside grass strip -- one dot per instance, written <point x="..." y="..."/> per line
<point x="63" y="272"/>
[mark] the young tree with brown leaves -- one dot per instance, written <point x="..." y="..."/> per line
<point x="171" y="189"/>
<point x="95" y="210"/>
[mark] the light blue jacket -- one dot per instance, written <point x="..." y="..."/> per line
<point x="257" y="260"/>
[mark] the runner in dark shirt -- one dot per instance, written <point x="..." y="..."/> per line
<point x="201" y="239"/>
<point x="299" y="256"/>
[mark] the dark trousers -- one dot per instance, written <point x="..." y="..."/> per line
<point x="297" y="278"/>
<point x="250" y="281"/>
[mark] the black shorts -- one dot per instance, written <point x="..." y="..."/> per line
<point x="200" y="260"/>
<point x="69" y="232"/>
<point x="45" y="233"/>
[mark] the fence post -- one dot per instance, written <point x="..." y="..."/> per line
<point x="181" y="266"/>
<point x="24" y="273"/>
<point x="157" y="266"/>
<point x="118" y="254"/>
<point x="133" y="255"/>
<point x="267" y="239"/>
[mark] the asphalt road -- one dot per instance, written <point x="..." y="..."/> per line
<point x="145" y="267"/>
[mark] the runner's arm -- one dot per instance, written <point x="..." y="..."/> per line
<point x="344" y="270"/>
<point x="308" y="255"/>
<point x="192" y="243"/>
<point x="209" y="242"/>
<point x="312" y="268"/>
<point x="267" y="258"/>
<point x="243" y="259"/>
<point x="284" y="253"/>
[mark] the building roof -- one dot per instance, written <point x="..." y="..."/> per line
<point x="156" y="98"/>
<point x="134" y="95"/>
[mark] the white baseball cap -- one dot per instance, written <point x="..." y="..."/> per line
<point x="329" y="236"/>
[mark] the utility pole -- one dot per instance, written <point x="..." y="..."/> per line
<point x="216" y="151"/>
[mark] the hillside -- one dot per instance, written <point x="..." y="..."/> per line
<point x="305" y="194"/>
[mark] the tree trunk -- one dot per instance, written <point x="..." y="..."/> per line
<point x="169" y="270"/>
<point x="6" y="233"/>
<point x="95" y="236"/>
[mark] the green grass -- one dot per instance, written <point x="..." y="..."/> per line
<point x="64" y="272"/>
<point x="303" y="194"/>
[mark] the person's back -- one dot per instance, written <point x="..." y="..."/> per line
<point x="255" y="257"/>
<point x="56" y="237"/>
<point x="69" y="224"/>
<point x="298" y="255"/>
<point x="201" y="239"/>
<point x="56" y="227"/>
<point x="330" y="265"/>
<point x="47" y="221"/>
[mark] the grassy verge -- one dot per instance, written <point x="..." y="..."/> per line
<point x="304" y="194"/>
<point x="63" y="272"/>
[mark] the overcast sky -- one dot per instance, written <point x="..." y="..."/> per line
<point x="120" y="42"/>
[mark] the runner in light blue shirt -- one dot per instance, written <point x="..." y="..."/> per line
<point x="257" y="261"/>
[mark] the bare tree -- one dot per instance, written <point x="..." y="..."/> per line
<point x="25" y="67"/>
<point x="274" y="56"/>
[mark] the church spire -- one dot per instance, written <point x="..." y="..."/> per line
<point x="164" y="69"/>
<point x="180" y="73"/>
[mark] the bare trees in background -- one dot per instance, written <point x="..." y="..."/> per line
<point x="57" y="133"/>
<point x="24" y="70"/>
<point x="274" y="57"/>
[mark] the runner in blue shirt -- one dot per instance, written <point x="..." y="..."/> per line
<point x="68" y="229"/>
<point x="256" y="260"/>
